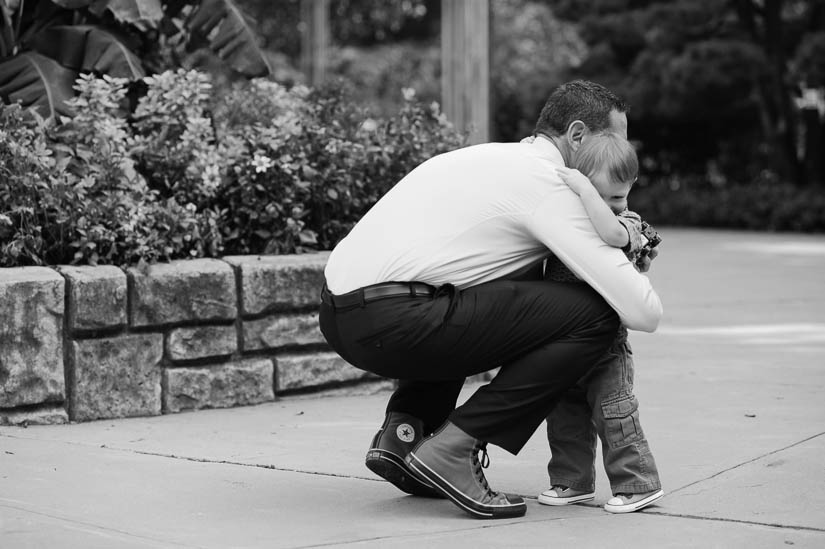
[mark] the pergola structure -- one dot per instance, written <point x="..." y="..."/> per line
<point x="465" y="59"/>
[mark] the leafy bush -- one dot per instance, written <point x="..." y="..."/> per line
<point x="303" y="178"/>
<point x="71" y="194"/>
<point x="761" y="205"/>
<point x="194" y="171"/>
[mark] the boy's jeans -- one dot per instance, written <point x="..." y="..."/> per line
<point x="602" y="403"/>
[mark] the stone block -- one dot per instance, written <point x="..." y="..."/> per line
<point x="232" y="384"/>
<point x="201" y="342"/>
<point x="366" y="387"/>
<point x="186" y="290"/>
<point x="50" y="415"/>
<point x="279" y="331"/>
<point x="116" y="377"/>
<point x="312" y="370"/>
<point x="280" y="282"/>
<point x="97" y="296"/>
<point x="31" y="336"/>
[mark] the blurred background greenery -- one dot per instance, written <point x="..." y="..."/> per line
<point x="723" y="93"/>
<point x="183" y="128"/>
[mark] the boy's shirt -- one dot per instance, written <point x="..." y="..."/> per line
<point x="632" y="222"/>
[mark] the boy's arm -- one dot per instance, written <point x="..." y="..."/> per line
<point x="607" y="225"/>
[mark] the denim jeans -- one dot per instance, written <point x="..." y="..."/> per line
<point x="602" y="404"/>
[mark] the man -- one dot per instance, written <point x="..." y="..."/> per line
<point x="424" y="290"/>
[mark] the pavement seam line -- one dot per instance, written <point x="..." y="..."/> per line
<point x="737" y="521"/>
<point x="723" y="471"/>
<point x="198" y="460"/>
<point x="228" y="462"/>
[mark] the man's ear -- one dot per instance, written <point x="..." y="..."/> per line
<point x="575" y="134"/>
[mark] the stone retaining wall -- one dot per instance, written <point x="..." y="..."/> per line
<point x="84" y="343"/>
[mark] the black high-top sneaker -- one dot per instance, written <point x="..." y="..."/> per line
<point x="449" y="461"/>
<point x="390" y="445"/>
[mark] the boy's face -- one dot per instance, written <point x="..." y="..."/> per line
<point x="614" y="193"/>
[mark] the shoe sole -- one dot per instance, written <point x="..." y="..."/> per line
<point x="550" y="500"/>
<point x="392" y="468"/>
<point x="635" y="506"/>
<point x="475" y="509"/>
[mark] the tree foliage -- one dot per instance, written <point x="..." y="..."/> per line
<point x="713" y="84"/>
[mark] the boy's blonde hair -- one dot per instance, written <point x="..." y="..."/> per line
<point x="611" y="152"/>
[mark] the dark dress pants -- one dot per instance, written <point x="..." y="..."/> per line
<point x="544" y="335"/>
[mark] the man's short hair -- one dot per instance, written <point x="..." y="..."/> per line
<point x="578" y="100"/>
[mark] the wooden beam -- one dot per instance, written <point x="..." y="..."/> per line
<point x="465" y="66"/>
<point x="315" y="35"/>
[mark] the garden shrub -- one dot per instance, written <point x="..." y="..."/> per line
<point x="761" y="205"/>
<point x="71" y="193"/>
<point x="313" y="167"/>
<point x="198" y="172"/>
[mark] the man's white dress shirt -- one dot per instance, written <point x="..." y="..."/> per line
<point x="480" y="213"/>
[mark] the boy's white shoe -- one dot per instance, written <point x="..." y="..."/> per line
<point x="562" y="495"/>
<point x="628" y="503"/>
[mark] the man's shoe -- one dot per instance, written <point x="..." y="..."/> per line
<point x="562" y="495"/>
<point x="398" y="435"/>
<point x="627" y="503"/>
<point x="449" y="461"/>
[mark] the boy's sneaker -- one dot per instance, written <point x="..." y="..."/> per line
<point x="627" y="503"/>
<point x="562" y="495"/>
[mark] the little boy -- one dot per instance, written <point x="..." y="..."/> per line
<point x="603" y="403"/>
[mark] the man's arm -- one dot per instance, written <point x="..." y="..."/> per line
<point x="562" y="224"/>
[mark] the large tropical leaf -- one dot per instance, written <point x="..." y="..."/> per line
<point x="230" y="35"/>
<point x="37" y="82"/>
<point x="172" y="8"/>
<point x="86" y="48"/>
<point x="143" y="14"/>
<point x="7" y="41"/>
<point x="72" y="4"/>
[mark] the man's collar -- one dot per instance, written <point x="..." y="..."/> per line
<point x="548" y="148"/>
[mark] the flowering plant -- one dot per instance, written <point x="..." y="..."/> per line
<point x="255" y="168"/>
<point x="174" y="140"/>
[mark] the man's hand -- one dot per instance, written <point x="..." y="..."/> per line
<point x="575" y="180"/>
<point x="644" y="262"/>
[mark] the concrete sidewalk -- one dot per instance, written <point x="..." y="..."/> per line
<point x="732" y="392"/>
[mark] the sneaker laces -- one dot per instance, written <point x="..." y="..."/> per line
<point x="479" y="466"/>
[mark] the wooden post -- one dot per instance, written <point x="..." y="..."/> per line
<point x="812" y="107"/>
<point x="465" y="66"/>
<point x="314" y="39"/>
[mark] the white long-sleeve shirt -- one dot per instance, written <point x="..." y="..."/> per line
<point x="480" y="213"/>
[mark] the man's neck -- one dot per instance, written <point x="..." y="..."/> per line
<point x="559" y="143"/>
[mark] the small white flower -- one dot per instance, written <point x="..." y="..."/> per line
<point x="408" y="93"/>
<point x="369" y="125"/>
<point x="211" y="177"/>
<point x="262" y="163"/>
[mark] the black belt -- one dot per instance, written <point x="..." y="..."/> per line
<point x="359" y="297"/>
